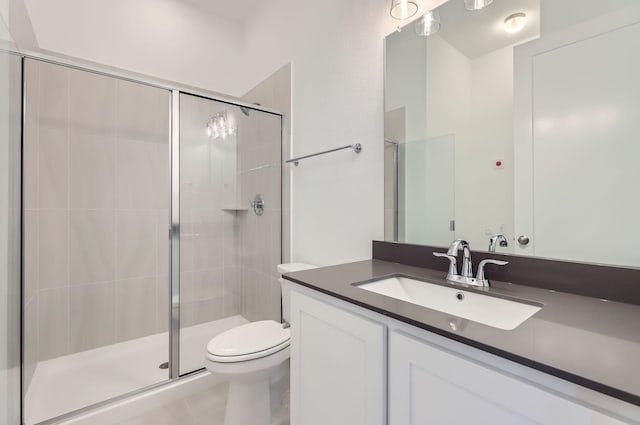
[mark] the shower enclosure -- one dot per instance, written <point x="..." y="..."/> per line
<point x="140" y="242"/>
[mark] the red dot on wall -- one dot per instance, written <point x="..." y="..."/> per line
<point x="498" y="163"/>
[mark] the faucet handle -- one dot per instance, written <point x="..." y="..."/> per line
<point x="481" y="276"/>
<point x="453" y="263"/>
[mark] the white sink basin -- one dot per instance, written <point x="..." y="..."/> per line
<point x="491" y="311"/>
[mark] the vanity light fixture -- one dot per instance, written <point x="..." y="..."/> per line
<point x="476" y="4"/>
<point x="403" y="9"/>
<point x="219" y="126"/>
<point x="428" y="24"/>
<point x="515" y="22"/>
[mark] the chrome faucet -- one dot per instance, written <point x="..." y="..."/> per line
<point x="497" y="239"/>
<point x="467" y="266"/>
<point x="466" y="275"/>
<point x="452" y="254"/>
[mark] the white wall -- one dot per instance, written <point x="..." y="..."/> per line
<point x="472" y="99"/>
<point x="5" y="37"/>
<point x="161" y="38"/>
<point x="4" y="10"/>
<point x="336" y="50"/>
<point x="447" y="121"/>
<point x="16" y="19"/>
<point x="448" y="89"/>
<point x="557" y="15"/>
<point x="484" y="193"/>
<point x="405" y="85"/>
<point x="405" y="80"/>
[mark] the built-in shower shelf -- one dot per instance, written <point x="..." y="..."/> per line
<point x="235" y="209"/>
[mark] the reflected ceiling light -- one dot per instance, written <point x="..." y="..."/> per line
<point x="476" y="4"/>
<point x="403" y="9"/>
<point x="219" y="126"/>
<point x="428" y="24"/>
<point x="515" y="22"/>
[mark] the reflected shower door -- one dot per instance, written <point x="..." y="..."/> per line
<point x="96" y="199"/>
<point x="228" y="253"/>
<point x="428" y="185"/>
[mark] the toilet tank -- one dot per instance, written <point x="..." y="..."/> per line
<point x="289" y="268"/>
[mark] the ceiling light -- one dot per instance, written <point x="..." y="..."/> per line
<point x="515" y="23"/>
<point x="476" y="4"/>
<point x="403" y="9"/>
<point x="428" y="24"/>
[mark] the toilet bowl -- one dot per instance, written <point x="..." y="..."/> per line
<point x="248" y="356"/>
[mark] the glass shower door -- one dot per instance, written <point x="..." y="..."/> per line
<point x="96" y="199"/>
<point x="209" y="292"/>
<point x="228" y="251"/>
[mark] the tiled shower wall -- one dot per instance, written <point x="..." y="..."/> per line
<point x="96" y="195"/>
<point x="259" y="169"/>
<point x="228" y="253"/>
<point x="264" y="240"/>
<point x="209" y="272"/>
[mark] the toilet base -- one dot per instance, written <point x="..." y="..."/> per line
<point x="248" y="403"/>
<point x="249" y="396"/>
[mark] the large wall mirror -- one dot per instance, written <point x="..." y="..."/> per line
<point x="517" y="128"/>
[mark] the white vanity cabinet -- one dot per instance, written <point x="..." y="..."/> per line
<point x="351" y="366"/>
<point x="338" y="365"/>
<point x="429" y="384"/>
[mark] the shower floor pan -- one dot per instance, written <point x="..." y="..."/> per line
<point x="71" y="382"/>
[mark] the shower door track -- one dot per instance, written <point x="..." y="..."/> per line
<point x="77" y="414"/>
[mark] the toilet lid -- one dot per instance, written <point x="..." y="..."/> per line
<point x="249" y="341"/>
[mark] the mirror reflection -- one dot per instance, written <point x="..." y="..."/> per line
<point x="514" y="126"/>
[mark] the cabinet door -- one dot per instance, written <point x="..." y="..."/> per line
<point x="431" y="385"/>
<point x="337" y="366"/>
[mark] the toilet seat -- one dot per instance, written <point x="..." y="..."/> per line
<point x="248" y="342"/>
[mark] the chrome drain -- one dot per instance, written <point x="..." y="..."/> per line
<point x="164" y="365"/>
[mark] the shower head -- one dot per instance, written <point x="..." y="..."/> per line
<point x="245" y="110"/>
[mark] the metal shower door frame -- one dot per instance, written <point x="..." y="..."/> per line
<point x="174" y="230"/>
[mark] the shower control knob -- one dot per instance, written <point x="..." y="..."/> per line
<point x="523" y="240"/>
<point x="258" y="205"/>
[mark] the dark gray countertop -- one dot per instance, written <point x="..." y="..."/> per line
<point x="591" y="342"/>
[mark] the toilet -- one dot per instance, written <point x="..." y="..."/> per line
<point x="248" y="356"/>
